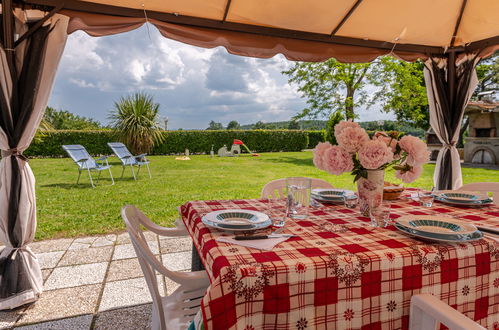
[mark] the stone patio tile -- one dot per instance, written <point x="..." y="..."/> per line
<point x="126" y="251"/>
<point x="127" y="292"/>
<point x="107" y="240"/>
<point x="86" y="240"/>
<point x="49" y="259"/>
<point x="51" y="245"/>
<point x="168" y="245"/>
<point x="170" y="286"/>
<point x="46" y="273"/>
<point x="177" y="261"/>
<point x="65" y="277"/>
<point x="124" y="238"/>
<point x="124" y="269"/>
<point x="62" y="303"/>
<point x="8" y="318"/>
<point x="79" y="246"/>
<point x="135" y="317"/>
<point x="74" y="323"/>
<point x="86" y="256"/>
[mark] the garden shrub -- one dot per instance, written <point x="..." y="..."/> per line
<point x="177" y="141"/>
<point x="314" y="137"/>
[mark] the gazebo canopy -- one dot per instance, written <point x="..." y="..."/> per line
<point x="450" y="35"/>
<point x="419" y="27"/>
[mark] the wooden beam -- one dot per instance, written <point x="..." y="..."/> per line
<point x="37" y="25"/>
<point x="458" y="22"/>
<point x="346" y="17"/>
<point x="97" y="8"/>
<point x="226" y="10"/>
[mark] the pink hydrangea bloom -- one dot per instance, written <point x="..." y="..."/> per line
<point x="388" y="140"/>
<point x="374" y="153"/>
<point x="410" y="175"/>
<point x="337" y="160"/>
<point x="352" y="138"/>
<point x="319" y="152"/>
<point x="338" y="128"/>
<point x="417" y="152"/>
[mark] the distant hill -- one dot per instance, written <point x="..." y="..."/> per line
<point x="304" y="124"/>
<point x="388" y="125"/>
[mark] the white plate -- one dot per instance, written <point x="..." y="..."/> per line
<point x="228" y="227"/>
<point x="442" y="238"/>
<point x="436" y="225"/>
<point x="236" y="217"/>
<point x="330" y="194"/>
<point x="464" y="203"/>
<point x="462" y="196"/>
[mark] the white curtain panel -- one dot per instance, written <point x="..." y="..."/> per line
<point x="26" y="220"/>
<point x="437" y="116"/>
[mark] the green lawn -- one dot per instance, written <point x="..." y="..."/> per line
<point x="66" y="209"/>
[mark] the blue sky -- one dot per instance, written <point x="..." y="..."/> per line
<point x="192" y="85"/>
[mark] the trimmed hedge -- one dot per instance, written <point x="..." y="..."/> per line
<point x="177" y="141"/>
<point x="314" y="137"/>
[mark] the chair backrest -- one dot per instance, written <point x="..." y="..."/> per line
<point x="122" y="152"/>
<point x="133" y="218"/>
<point x="78" y="152"/>
<point x="277" y="188"/>
<point x="429" y="312"/>
<point x="481" y="186"/>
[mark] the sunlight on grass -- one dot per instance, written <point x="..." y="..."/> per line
<point x="66" y="209"/>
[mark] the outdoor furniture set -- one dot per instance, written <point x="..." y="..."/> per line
<point x="87" y="163"/>
<point x="330" y="270"/>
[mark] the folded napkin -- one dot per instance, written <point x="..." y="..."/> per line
<point x="266" y="244"/>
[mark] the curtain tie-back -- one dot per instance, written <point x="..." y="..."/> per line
<point x="449" y="145"/>
<point x="15" y="153"/>
<point x="15" y="250"/>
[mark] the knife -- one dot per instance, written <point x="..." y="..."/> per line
<point x="489" y="230"/>
<point x="247" y="238"/>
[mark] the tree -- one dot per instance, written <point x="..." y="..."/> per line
<point x="403" y="91"/>
<point x="62" y="119"/>
<point x="135" y="119"/>
<point x="334" y="119"/>
<point x="233" y="125"/>
<point x="488" y="74"/>
<point x="294" y="124"/>
<point x="332" y="86"/>
<point x="215" y="126"/>
<point x="259" y="125"/>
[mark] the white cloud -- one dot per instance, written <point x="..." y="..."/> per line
<point x="193" y="85"/>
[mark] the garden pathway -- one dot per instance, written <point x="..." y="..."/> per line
<point x="96" y="283"/>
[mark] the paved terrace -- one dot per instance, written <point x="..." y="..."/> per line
<point x="96" y="283"/>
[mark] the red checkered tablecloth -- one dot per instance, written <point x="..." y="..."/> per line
<point x="340" y="273"/>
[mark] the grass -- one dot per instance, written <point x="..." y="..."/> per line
<point x="67" y="210"/>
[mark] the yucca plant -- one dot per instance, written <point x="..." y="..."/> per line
<point x="135" y="120"/>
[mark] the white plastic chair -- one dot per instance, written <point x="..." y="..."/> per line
<point x="484" y="187"/>
<point x="481" y="186"/>
<point x="427" y="312"/>
<point x="177" y="310"/>
<point x="277" y="188"/>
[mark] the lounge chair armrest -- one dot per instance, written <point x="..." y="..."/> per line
<point x="103" y="158"/>
<point x="141" y="156"/>
<point x="83" y="160"/>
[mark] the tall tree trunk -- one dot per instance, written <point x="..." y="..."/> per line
<point x="349" y="112"/>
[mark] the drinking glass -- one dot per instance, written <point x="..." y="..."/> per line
<point x="276" y="210"/>
<point x="298" y="197"/>
<point x="426" y="198"/>
<point x="350" y="201"/>
<point x="380" y="215"/>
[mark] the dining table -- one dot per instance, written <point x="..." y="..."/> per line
<point x="338" y="272"/>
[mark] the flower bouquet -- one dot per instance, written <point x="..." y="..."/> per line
<point x="367" y="158"/>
